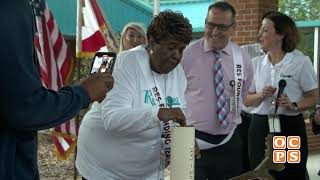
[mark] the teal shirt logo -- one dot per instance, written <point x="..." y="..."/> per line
<point x="149" y="99"/>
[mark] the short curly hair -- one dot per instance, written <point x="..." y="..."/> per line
<point x="170" y="25"/>
<point x="285" y="26"/>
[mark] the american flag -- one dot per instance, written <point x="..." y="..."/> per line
<point x="55" y="65"/>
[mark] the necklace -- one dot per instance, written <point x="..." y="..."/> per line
<point x="276" y="59"/>
<point x="275" y="76"/>
<point x="164" y="80"/>
<point x="275" y="71"/>
<point x="168" y="99"/>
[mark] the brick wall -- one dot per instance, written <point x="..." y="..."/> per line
<point x="249" y="14"/>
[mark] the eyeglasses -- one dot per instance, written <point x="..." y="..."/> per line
<point x="220" y="27"/>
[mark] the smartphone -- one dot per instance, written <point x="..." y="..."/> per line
<point x="103" y="61"/>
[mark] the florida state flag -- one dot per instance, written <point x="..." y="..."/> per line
<point x="93" y="31"/>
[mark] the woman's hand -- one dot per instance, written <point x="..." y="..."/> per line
<point x="268" y="91"/>
<point x="284" y="101"/>
<point x="174" y="114"/>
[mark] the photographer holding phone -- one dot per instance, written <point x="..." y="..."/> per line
<point x="121" y="137"/>
<point x="27" y="106"/>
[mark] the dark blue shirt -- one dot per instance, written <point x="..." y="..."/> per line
<point x="26" y="106"/>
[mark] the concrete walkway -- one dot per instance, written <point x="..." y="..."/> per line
<point x="313" y="166"/>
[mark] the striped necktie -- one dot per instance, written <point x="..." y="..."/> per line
<point x="222" y="109"/>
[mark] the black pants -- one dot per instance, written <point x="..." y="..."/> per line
<point x="243" y="132"/>
<point x="290" y="126"/>
<point x="221" y="162"/>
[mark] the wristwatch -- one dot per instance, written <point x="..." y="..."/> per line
<point x="295" y="106"/>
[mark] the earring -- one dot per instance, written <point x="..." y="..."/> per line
<point x="151" y="51"/>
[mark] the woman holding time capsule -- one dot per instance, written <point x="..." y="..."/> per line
<point x="121" y="138"/>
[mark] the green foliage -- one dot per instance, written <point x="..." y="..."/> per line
<point x="300" y="10"/>
<point x="306" y="41"/>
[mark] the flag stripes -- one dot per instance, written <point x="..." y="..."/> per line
<point x="55" y="63"/>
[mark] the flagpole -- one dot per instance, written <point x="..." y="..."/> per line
<point x="109" y="31"/>
<point x="75" y="171"/>
<point x="78" y="36"/>
<point x="105" y="28"/>
<point x="156" y="7"/>
<point x="78" y="59"/>
<point x="79" y="30"/>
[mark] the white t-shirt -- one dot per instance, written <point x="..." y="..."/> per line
<point x="121" y="137"/>
<point x="295" y="68"/>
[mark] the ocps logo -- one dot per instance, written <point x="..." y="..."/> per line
<point x="292" y="143"/>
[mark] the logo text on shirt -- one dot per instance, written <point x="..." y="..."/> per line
<point x="149" y="99"/>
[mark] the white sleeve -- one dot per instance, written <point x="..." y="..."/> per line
<point x="253" y="50"/>
<point x="118" y="113"/>
<point x="308" y="78"/>
<point x="248" y="65"/>
<point x="255" y="62"/>
<point x="252" y="88"/>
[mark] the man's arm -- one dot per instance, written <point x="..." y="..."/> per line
<point x="25" y="103"/>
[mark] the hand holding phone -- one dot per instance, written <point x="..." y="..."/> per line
<point x="97" y="85"/>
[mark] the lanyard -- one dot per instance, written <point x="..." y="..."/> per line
<point x="165" y="126"/>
